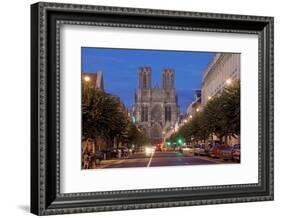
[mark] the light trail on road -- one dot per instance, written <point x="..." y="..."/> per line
<point x="160" y="159"/>
<point x="149" y="162"/>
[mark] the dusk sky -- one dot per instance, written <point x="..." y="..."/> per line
<point x="120" y="70"/>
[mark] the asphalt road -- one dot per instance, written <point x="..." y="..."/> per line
<point x="157" y="159"/>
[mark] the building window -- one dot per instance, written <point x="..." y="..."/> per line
<point x="144" y="114"/>
<point x="144" y="81"/>
<point x="168" y="82"/>
<point x="168" y="114"/>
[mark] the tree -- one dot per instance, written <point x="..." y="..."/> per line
<point x="142" y="137"/>
<point x="186" y="130"/>
<point x="231" y="108"/>
<point x="214" y="117"/>
<point x="200" y="126"/>
<point x="222" y="113"/>
<point x="104" y="117"/>
<point x="173" y="138"/>
<point x="220" y="116"/>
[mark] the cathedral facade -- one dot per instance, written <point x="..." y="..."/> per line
<point x="156" y="108"/>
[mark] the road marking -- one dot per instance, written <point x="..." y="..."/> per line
<point x="211" y="160"/>
<point x="109" y="164"/>
<point x="149" y="162"/>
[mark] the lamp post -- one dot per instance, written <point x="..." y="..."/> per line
<point x="87" y="78"/>
<point x="164" y="138"/>
<point x="179" y="141"/>
<point x="228" y="82"/>
<point x="86" y="89"/>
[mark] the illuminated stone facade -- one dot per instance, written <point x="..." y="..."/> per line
<point x="222" y="71"/>
<point x="156" y="108"/>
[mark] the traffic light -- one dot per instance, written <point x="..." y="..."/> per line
<point x="179" y="141"/>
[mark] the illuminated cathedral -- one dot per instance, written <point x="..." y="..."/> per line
<point x="156" y="108"/>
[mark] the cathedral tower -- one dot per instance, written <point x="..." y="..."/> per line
<point x="168" y="79"/>
<point x="144" y="78"/>
<point x="155" y="109"/>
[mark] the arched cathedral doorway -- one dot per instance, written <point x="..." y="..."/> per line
<point x="156" y="114"/>
<point x="156" y="128"/>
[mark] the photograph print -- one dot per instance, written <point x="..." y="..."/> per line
<point x="159" y="108"/>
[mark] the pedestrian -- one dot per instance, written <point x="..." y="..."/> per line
<point x="119" y="153"/>
<point x="87" y="154"/>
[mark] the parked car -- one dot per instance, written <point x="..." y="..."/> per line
<point x="236" y="152"/>
<point x="164" y="149"/>
<point x="196" y="149"/>
<point x="158" y="147"/>
<point x="200" y="149"/>
<point x="124" y="151"/>
<point x="184" y="148"/>
<point x="215" y="151"/>
<point x="149" y="150"/>
<point x="208" y="148"/>
<point x="98" y="157"/>
<point x="114" y="153"/>
<point x="226" y="153"/>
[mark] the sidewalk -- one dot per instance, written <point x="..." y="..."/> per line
<point x="106" y="163"/>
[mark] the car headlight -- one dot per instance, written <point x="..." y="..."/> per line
<point x="147" y="150"/>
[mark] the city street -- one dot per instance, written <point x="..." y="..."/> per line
<point x="171" y="158"/>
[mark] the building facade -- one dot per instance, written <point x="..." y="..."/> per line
<point x="195" y="106"/>
<point x="222" y="71"/>
<point x="93" y="80"/>
<point x="156" y="108"/>
<point x="89" y="82"/>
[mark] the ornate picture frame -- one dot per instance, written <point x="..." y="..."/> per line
<point x="46" y="20"/>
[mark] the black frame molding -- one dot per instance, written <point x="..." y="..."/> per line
<point x="46" y="20"/>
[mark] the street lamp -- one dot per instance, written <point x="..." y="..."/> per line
<point x="190" y="116"/>
<point x="197" y="109"/>
<point x="87" y="78"/>
<point x="179" y="141"/>
<point x="133" y="119"/>
<point x="209" y="97"/>
<point x="228" y="81"/>
<point x="86" y="89"/>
